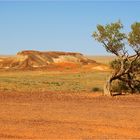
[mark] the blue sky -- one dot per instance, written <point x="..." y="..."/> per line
<point x="60" y="25"/>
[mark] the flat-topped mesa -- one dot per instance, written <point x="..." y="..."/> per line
<point x="50" y="53"/>
<point x="27" y="52"/>
<point x="31" y="59"/>
<point x="57" y="56"/>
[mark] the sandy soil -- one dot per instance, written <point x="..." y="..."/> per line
<point x="52" y="116"/>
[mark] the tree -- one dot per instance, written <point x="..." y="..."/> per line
<point x="126" y="67"/>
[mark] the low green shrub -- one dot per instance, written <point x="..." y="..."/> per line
<point x="96" y="89"/>
<point x="119" y="86"/>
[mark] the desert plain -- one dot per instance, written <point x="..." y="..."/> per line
<point x="61" y="103"/>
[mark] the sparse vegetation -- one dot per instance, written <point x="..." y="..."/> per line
<point x="38" y="81"/>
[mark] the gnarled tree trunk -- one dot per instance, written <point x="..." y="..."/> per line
<point x="107" y="87"/>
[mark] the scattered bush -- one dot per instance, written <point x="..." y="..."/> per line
<point x="119" y="86"/>
<point x="96" y="89"/>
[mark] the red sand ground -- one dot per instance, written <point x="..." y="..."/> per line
<point x="53" y="116"/>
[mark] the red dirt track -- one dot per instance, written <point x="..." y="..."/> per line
<point x="82" y="116"/>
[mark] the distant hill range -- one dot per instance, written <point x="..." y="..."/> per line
<point x="30" y="59"/>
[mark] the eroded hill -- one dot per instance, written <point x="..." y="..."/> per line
<point x="40" y="60"/>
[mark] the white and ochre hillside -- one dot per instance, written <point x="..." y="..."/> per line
<point x="35" y="59"/>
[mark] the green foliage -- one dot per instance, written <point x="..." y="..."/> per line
<point x="137" y="87"/>
<point x="135" y="66"/>
<point x="115" y="64"/>
<point x="111" y="37"/>
<point x="120" y="86"/>
<point x="134" y="36"/>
